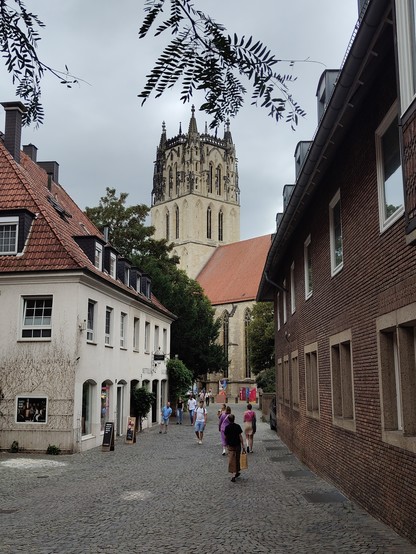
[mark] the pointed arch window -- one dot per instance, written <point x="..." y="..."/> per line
<point x="209" y="223"/>
<point x="221" y="226"/>
<point x="247" y="347"/>
<point x="167" y="230"/>
<point x="210" y="178"/>
<point x="226" y="338"/>
<point x="218" y="180"/>
<point x="170" y="181"/>
<point x="176" y="222"/>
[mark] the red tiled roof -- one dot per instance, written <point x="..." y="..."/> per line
<point x="50" y="245"/>
<point x="233" y="272"/>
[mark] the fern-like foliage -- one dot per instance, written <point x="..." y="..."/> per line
<point x="201" y="56"/>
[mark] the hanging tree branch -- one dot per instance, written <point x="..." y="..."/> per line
<point x="203" y="57"/>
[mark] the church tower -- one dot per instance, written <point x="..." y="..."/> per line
<point x="195" y="197"/>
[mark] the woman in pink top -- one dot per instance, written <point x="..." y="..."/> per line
<point x="249" y="426"/>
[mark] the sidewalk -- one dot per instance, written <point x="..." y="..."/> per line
<point x="166" y="493"/>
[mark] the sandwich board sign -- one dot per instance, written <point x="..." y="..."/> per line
<point x="108" y="438"/>
<point x="131" y="430"/>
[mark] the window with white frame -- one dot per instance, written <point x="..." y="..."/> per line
<point x="308" y="267"/>
<point x="295" y="379"/>
<point x="88" y="390"/>
<point x="342" y="381"/>
<point x="108" y="326"/>
<point x="123" y="329"/>
<point x="312" y="380"/>
<point x="98" y="256"/>
<point x="396" y="333"/>
<point x="389" y="170"/>
<point x="406" y="49"/>
<point x="284" y="302"/>
<point x="9" y="230"/>
<point x="92" y="306"/>
<point x="113" y="265"/>
<point x="37" y="317"/>
<point x="136" y="334"/>
<point x="292" y="289"/>
<point x="335" y="233"/>
<point x="147" y="336"/>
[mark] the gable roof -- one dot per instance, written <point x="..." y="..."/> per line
<point x="233" y="272"/>
<point x="57" y="220"/>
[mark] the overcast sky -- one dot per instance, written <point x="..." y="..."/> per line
<point x="100" y="134"/>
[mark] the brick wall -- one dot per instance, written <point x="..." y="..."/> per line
<point x="378" y="276"/>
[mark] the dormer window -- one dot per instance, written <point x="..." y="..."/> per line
<point x="98" y="258"/>
<point x="9" y="227"/>
<point x="113" y="265"/>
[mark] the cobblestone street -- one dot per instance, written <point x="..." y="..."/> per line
<point x="166" y="493"/>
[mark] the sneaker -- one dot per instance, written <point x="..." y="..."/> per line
<point x="160" y="432"/>
<point x="224" y="452"/>
<point x="199" y="442"/>
<point x="233" y="479"/>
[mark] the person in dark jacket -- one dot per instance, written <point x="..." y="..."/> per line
<point x="234" y="439"/>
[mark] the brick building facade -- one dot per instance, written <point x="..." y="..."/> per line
<point x="341" y="272"/>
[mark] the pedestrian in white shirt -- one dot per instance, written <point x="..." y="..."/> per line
<point x="191" y="408"/>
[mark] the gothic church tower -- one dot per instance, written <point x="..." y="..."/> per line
<point x="195" y="196"/>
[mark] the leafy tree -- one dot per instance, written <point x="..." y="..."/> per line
<point x="180" y="378"/>
<point x="200" y="53"/>
<point x="204" y="57"/>
<point x="261" y="337"/>
<point x="143" y="400"/>
<point x="128" y="232"/>
<point x="266" y="380"/>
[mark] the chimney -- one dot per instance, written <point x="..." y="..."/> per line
<point x="13" y="127"/>
<point x="52" y="169"/>
<point x="31" y="151"/>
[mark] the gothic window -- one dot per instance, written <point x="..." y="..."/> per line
<point x="226" y="337"/>
<point x="167" y="225"/>
<point x="221" y="226"/>
<point x="218" y="180"/>
<point x="209" y="227"/>
<point x="210" y="178"/>
<point x="176" y="222"/>
<point x="247" y="319"/>
<point x="170" y="181"/>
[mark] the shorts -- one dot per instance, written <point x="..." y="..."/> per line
<point x="199" y="426"/>
<point x="165" y="421"/>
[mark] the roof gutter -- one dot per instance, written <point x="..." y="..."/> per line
<point x="338" y="104"/>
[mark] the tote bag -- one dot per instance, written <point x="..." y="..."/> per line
<point x="243" y="460"/>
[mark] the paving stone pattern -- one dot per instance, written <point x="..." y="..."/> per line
<point x="168" y="494"/>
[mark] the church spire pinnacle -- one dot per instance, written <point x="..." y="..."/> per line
<point x="163" y="135"/>
<point x="192" y="123"/>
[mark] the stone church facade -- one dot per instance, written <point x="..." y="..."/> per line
<point x="196" y="206"/>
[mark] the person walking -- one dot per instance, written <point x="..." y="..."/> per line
<point x="191" y="408"/>
<point x="222" y="424"/>
<point x="200" y="421"/>
<point x="207" y="399"/>
<point x="249" y="419"/>
<point x="166" y="413"/>
<point x="179" y="411"/>
<point x="234" y="437"/>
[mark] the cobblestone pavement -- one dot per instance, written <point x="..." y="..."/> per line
<point x="166" y="493"/>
